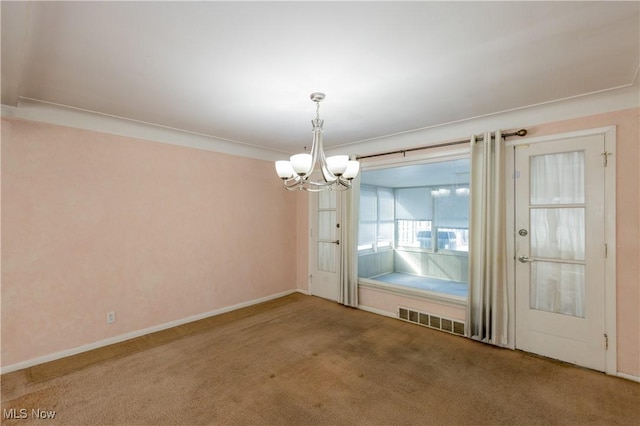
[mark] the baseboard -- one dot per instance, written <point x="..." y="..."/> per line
<point x="377" y="311"/>
<point x="138" y="333"/>
<point x="305" y="292"/>
<point x="628" y="377"/>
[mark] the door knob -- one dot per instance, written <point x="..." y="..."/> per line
<point x="526" y="259"/>
<point x="336" y="242"/>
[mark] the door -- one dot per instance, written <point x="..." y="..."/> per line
<point x="325" y="252"/>
<point x="560" y="250"/>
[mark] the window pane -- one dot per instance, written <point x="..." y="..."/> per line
<point x="367" y="233"/>
<point x="385" y="204"/>
<point x="327" y="200"/>
<point x="326" y="225"/>
<point x="411" y="233"/>
<point x="368" y="203"/>
<point x="558" y="233"/>
<point x="557" y="287"/>
<point x="452" y="208"/>
<point x="451" y="239"/>
<point x="385" y="217"/>
<point x="557" y="178"/>
<point x="385" y="233"/>
<point x="327" y="257"/>
<point x="413" y="204"/>
<point x="368" y="217"/>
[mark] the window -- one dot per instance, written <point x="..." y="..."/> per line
<point x="376" y="218"/>
<point x="421" y="214"/>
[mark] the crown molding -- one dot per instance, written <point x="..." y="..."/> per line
<point x="616" y="99"/>
<point x="35" y="110"/>
<point x="580" y="106"/>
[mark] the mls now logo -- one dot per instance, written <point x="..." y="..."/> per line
<point x="23" y="413"/>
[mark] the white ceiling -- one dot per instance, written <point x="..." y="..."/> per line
<point x="243" y="71"/>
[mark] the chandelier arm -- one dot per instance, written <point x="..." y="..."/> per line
<point x="315" y="145"/>
<point x="295" y="179"/>
<point x="293" y="183"/>
<point x="344" y="182"/>
<point x="310" y="183"/>
<point x="322" y="187"/>
<point x="328" y="177"/>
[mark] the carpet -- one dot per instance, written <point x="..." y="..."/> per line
<point x="301" y="360"/>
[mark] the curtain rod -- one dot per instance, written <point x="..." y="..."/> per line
<point x="521" y="132"/>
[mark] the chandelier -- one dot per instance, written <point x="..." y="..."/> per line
<point x="337" y="171"/>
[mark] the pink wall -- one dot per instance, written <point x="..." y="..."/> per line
<point x="302" y="271"/>
<point x="93" y="222"/>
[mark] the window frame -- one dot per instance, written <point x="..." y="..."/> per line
<point x="433" y="157"/>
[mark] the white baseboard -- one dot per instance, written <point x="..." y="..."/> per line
<point x="306" y="292"/>
<point x="628" y="377"/>
<point x="138" y="333"/>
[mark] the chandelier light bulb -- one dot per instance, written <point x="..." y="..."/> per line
<point x="301" y="163"/>
<point x="284" y="169"/>
<point x="337" y="164"/>
<point x="353" y="167"/>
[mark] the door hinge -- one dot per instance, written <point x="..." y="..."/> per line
<point x="606" y="342"/>
<point x="606" y="251"/>
<point x="605" y="158"/>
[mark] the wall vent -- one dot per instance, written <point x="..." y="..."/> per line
<point x="432" y="321"/>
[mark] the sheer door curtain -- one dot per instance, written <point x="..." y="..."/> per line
<point x="558" y="232"/>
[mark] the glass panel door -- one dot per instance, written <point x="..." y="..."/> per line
<point x="559" y="249"/>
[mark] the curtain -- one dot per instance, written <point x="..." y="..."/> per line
<point x="558" y="232"/>
<point x="487" y="307"/>
<point x="349" y="244"/>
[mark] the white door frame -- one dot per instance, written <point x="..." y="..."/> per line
<point x="609" y="134"/>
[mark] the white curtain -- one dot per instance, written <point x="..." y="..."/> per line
<point x="558" y="232"/>
<point x="487" y="308"/>
<point x="349" y="244"/>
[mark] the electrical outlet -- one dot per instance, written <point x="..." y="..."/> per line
<point x="111" y="317"/>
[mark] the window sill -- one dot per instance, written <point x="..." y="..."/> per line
<point x="446" y="299"/>
<point x="439" y="251"/>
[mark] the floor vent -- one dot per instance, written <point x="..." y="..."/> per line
<point x="432" y="321"/>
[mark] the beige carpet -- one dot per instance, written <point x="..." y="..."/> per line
<point x="301" y="360"/>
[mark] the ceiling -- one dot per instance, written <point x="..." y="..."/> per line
<point x="243" y="71"/>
